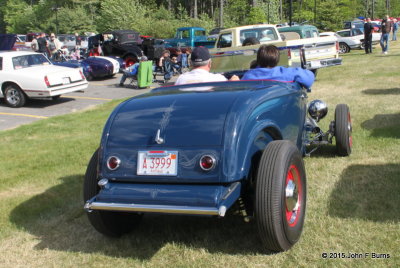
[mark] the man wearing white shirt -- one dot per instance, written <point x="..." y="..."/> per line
<point x="201" y="63"/>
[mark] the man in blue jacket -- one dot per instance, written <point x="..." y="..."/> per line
<point x="132" y="71"/>
<point x="267" y="61"/>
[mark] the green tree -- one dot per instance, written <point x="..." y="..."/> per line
<point x="122" y="14"/>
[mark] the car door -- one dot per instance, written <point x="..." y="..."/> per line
<point x="223" y="57"/>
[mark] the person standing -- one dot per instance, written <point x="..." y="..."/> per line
<point x="34" y="43"/>
<point x="395" y="28"/>
<point x="54" y="45"/>
<point x="78" y="41"/>
<point x="386" y="27"/>
<point x="368" y="29"/>
<point x="42" y="44"/>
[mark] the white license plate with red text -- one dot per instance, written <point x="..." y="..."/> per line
<point x="163" y="163"/>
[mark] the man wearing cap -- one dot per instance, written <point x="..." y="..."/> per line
<point x="132" y="71"/>
<point x="201" y="64"/>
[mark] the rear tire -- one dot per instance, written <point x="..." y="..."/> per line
<point x="343" y="48"/>
<point x="14" y="97"/>
<point x="109" y="223"/>
<point x="280" y="196"/>
<point x="343" y="130"/>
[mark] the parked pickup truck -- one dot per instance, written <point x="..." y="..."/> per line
<point x="310" y="53"/>
<point x="189" y="37"/>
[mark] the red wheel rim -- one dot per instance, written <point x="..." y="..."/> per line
<point x="293" y="193"/>
<point x="129" y="62"/>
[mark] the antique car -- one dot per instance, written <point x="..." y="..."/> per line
<point x="26" y="75"/>
<point x="121" y="43"/>
<point x="94" y="67"/>
<point x="211" y="149"/>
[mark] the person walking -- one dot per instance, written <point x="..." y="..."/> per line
<point x="395" y="28"/>
<point x="386" y="27"/>
<point x="368" y="29"/>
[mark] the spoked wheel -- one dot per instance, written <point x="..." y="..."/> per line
<point x="343" y="48"/>
<point x="280" y="196"/>
<point x="106" y="222"/>
<point x="343" y="130"/>
<point x="14" y="97"/>
<point x="130" y="60"/>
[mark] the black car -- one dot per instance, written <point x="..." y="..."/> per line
<point x="122" y="43"/>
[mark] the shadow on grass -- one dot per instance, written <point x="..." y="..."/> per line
<point x="56" y="217"/>
<point x="324" y="151"/>
<point x="384" y="125"/>
<point x="387" y="91"/>
<point x="369" y="192"/>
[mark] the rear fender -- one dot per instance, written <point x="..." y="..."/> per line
<point x="246" y="150"/>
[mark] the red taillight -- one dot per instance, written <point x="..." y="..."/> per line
<point x="207" y="162"/>
<point x="46" y="80"/>
<point x="289" y="54"/>
<point x="83" y="77"/>
<point x="113" y="162"/>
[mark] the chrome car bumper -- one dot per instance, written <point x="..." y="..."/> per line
<point x="316" y="64"/>
<point x="213" y="200"/>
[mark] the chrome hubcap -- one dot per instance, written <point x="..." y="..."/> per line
<point x="13" y="96"/>
<point x="292" y="199"/>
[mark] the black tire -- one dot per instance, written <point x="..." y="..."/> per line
<point x="279" y="217"/>
<point x="54" y="98"/>
<point x="362" y="44"/>
<point x="109" y="223"/>
<point x="89" y="77"/>
<point x="14" y="97"/>
<point x="343" y="130"/>
<point x="343" y="48"/>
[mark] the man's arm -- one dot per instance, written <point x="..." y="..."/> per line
<point x="304" y="77"/>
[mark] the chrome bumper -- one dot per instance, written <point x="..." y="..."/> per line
<point x="316" y="64"/>
<point x="93" y="205"/>
<point x="212" y="200"/>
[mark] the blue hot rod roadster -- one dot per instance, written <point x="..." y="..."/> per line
<point x="211" y="148"/>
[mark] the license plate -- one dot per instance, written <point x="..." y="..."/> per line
<point x="315" y="64"/>
<point x="66" y="80"/>
<point x="163" y="163"/>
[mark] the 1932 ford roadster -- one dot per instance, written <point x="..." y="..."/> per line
<point x="202" y="149"/>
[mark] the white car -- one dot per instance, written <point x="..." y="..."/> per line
<point x="351" y="39"/>
<point x="26" y="75"/>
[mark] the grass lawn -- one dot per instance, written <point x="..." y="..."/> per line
<point x="353" y="202"/>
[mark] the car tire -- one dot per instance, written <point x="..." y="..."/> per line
<point x="109" y="223"/>
<point x="362" y="44"/>
<point x="280" y="196"/>
<point x="54" y="98"/>
<point x="14" y="97"/>
<point x="89" y="77"/>
<point x="343" y="130"/>
<point x="130" y="60"/>
<point x="343" y="48"/>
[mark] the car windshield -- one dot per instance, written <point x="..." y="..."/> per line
<point x="26" y="61"/>
<point x="262" y="34"/>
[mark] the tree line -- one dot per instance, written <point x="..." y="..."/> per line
<point x="160" y="18"/>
